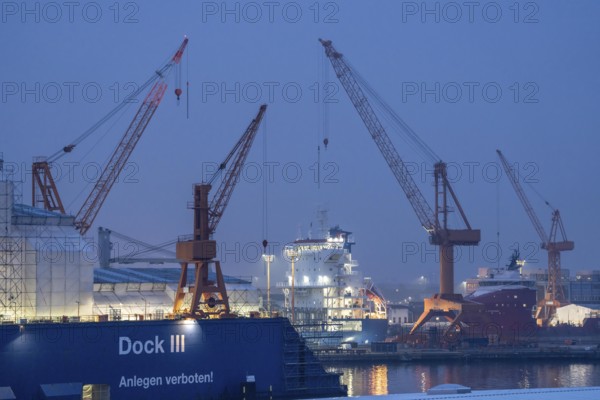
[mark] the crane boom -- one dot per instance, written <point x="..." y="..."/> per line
<point x="390" y="154"/>
<point x="231" y="176"/>
<point x="90" y="208"/>
<point x="514" y="181"/>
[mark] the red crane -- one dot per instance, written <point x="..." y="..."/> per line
<point x="555" y="296"/>
<point x="435" y="221"/>
<point x="208" y="296"/>
<point x="44" y="190"/>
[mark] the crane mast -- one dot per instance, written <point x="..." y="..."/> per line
<point x="44" y="190"/>
<point x="555" y="296"/>
<point x="43" y="187"/>
<point x="207" y="297"/>
<point x="446" y="303"/>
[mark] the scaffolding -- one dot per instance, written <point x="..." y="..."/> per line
<point x="44" y="273"/>
<point x="12" y="284"/>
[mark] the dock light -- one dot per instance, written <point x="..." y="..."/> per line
<point x="268" y="258"/>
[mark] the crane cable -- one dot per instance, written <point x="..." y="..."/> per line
<point x="102" y="121"/>
<point x="405" y="130"/>
<point x="546" y="202"/>
<point x="148" y="247"/>
<point x="265" y="194"/>
<point x="158" y="74"/>
<point x="325" y="103"/>
<point x="187" y="84"/>
<point x="90" y="182"/>
<point x="233" y="151"/>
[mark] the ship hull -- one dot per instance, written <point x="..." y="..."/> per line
<point x="186" y="359"/>
<point x="372" y="330"/>
<point x="360" y="331"/>
<point x="508" y="313"/>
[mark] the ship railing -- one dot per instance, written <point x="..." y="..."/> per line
<point x="300" y="285"/>
<point x="347" y="273"/>
<point x="87" y="318"/>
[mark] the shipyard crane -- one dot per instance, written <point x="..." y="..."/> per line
<point x="207" y="296"/>
<point x="44" y="188"/>
<point x="555" y="296"/>
<point x="435" y="221"/>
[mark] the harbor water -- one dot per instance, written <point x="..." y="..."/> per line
<point x="392" y="378"/>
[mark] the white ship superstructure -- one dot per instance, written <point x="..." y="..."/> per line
<point x="326" y="290"/>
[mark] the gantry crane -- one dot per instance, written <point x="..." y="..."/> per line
<point x="555" y="296"/>
<point x="207" y="297"/>
<point x="446" y="303"/>
<point x="44" y="190"/>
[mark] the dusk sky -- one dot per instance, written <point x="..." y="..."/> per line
<point x="527" y="79"/>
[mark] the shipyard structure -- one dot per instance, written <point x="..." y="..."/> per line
<point x="46" y="271"/>
<point x="70" y="330"/>
<point x="49" y="272"/>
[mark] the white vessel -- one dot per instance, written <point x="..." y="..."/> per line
<point x="326" y="296"/>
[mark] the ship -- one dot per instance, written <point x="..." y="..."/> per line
<point x="509" y="300"/>
<point x="326" y="296"/>
<point x="176" y="359"/>
<point x="54" y="345"/>
<point x="510" y="295"/>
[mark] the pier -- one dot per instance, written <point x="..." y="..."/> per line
<point x="362" y="354"/>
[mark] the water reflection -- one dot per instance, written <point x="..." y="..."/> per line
<point x="378" y="379"/>
<point x="365" y="379"/>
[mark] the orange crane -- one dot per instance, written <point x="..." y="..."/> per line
<point x="207" y="298"/>
<point x="555" y="296"/>
<point x="44" y="190"/>
<point x="435" y="221"/>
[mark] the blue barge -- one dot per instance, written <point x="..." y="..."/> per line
<point x="176" y="359"/>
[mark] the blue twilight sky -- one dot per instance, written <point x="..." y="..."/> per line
<point x="532" y="68"/>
